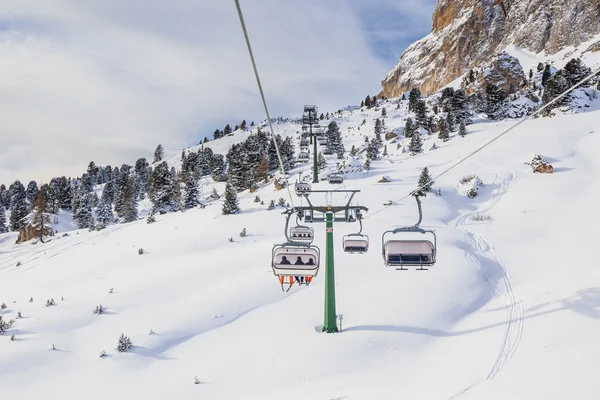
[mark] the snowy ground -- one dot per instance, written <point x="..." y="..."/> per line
<point x="510" y="311"/>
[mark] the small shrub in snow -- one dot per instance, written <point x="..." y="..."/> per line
<point x="281" y="202"/>
<point x="124" y="344"/>
<point x="110" y="290"/>
<point x="214" y="195"/>
<point x="538" y="164"/>
<point x="99" y="310"/>
<point x="470" y="184"/>
<point x="481" y="217"/>
<point x="243" y="233"/>
<point x="257" y="199"/>
<point x="2" y="306"/>
<point x="140" y="251"/>
<point x="50" y="303"/>
<point x="4" y="326"/>
<point x="31" y="299"/>
<point x="18" y="263"/>
<point x="151" y="219"/>
<point x="271" y="205"/>
<point x="19" y="315"/>
<point x="151" y="332"/>
<point x="196" y="380"/>
<point x="231" y="239"/>
<point x="102" y="354"/>
<point x="12" y="338"/>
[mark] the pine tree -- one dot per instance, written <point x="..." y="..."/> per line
<point x="142" y="174"/>
<point x="416" y="144"/>
<point x="160" y="189"/>
<point x="444" y="133"/>
<point x="383" y="112"/>
<point x="3" y="227"/>
<point x="385" y="152"/>
<point x="462" y="130"/>
<point x="494" y="99"/>
<point x="40" y="219"/>
<point x="413" y="97"/>
<point x="425" y="182"/>
<point x="159" y="153"/>
<point x="460" y="107"/>
<point x="555" y="86"/>
<point x="31" y="192"/>
<point x="226" y="130"/>
<point x="230" y="204"/>
<point x="104" y="214"/>
<point x="129" y="211"/>
<point x="4" y="197"/>
<point x="18" y="205"/>
<point x="191" y="193"/>
<point x="353" y="151"/>
<point x="321" y="161"/>
<point x="421" y="114"/>
<point x="451" y="121"/>
<point x="546" y="75"/>
<point x="367" y="165"/>
<point x="82" y="208"/>
<point x="409" y="128"/>
<point x="576" y="71"/>
<point x="124" y="344"/>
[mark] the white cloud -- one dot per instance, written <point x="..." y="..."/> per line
<point x="107" y="80"/>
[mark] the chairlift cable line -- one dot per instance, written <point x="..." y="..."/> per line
<point x="264" y="101"/>
<point x="596" y="72"/>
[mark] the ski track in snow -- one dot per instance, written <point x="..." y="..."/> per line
<point x="502" y="290"/>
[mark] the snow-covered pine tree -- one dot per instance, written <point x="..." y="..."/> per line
<point x="494" y="102"/>
<point x="142" y="173"/>
<point x="159" y="153"/>
<point x="160" y="189"/>
<point x="191" y="192"/>
<point x="378" y="127"/>
<point x="555" y="86"/>
<point x="129" y="211"/>
<point x="218" y="167"/>
<point x="460" y="107"/>
<point x="421" y="114"/>
<point x="409" y="128"/>
<point x="416" y="144"/>
<point x="383" y="113"/>
<point x="444" y="132"/>
<point x="230" y="204"/>
<point x="385" y="152"/>
<point x="124" y="344"/>
<point x="353" y="151"/>
<point x="18" y="205"/>
<point x="82" y="209"/>
<point x="31" y="192"/>
<point x="413" y="97"/>
<point x="104" y="214"/>
<point x="451" y="121"/>
<point x="3" y="227"/>
<point x="119" y="189"/>
<point x="424" y="182"/>
<point x="367" y="165"/>
<point x="321" y="161"/>
<point x="546" y="75"/>
<point x="462" y="129"/>
<point x="576" y="71"/>
<point x="4" y="197"/>
<point x="40" y="218"/>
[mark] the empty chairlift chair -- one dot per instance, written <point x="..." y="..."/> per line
<point x="356" y="242"/>
<point x="336" y="178"/>
<point x="406" y="252"/>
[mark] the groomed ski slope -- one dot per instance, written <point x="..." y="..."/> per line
<point x="510" y="311"/>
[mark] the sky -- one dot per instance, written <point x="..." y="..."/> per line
<point x="108" y="80"/>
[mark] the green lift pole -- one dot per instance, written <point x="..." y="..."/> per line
<point x="315" y="164"/>
<point x="330" y="325"/>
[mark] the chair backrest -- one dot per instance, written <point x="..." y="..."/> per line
<point x="409" y="247"/>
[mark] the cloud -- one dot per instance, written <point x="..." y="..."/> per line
<point x="107" y="80"/>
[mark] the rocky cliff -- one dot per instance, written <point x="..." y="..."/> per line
<point x="467" y="33"/>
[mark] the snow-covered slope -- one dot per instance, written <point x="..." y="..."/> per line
<point x="510" y="309"/>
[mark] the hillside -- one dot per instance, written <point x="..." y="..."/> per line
<point x="468" y="33"/>
<point x="501" y="314"/>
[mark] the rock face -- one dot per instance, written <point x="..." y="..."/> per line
<point x="503" y="70"/>
<point x="467" y="33"/>
<point x="539" y="165"/>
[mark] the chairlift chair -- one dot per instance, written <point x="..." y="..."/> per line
<point x="336" y="178"/>
<point x="302" y="188"/>
<point x="302" y="234"/>
<point x="356" y="242"/>
<point x="409" y="252"/>
<point x="295" y="261"/>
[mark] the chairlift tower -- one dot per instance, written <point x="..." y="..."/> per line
<point x="312" y="129"/>
<point x="329" y="211"/>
